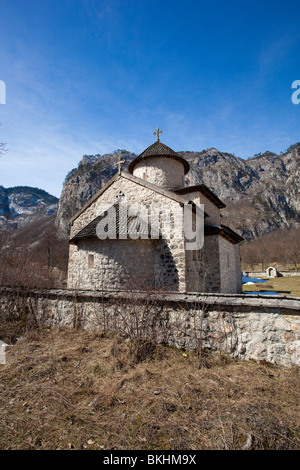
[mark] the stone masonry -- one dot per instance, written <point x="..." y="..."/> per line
<point x="246" y="327"/>
<point x="165" y="262"/>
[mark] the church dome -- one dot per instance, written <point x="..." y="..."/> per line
<point x="158" y="149"/>
<point x="160" y="165"/>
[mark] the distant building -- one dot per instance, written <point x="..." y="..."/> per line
<point x="272" y="272"/>
<point x="156" y="177"/>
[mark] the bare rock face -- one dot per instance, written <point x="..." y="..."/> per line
<point x="261" y="193"/>
<point x="22" y="204"/>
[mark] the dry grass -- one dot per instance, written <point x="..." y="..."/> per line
<point x="77" y="390"/>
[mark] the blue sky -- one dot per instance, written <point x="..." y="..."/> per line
<point x="93" y="76"/>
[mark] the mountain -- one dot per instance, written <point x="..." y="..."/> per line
<point x="22" y="204"/>
<point x="261" y="192"/>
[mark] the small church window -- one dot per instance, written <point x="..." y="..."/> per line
<point x="91" y="261"/>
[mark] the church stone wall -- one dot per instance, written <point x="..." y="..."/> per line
<point x="214" y="268"/>
<point x="173" y="265"/>
<point x="231" y="274"/>
<point x="238" y="269"/>
<point x="124" y="265"/>
<point x="117" y="264"/>
<point x="165" y="172"/>
<point x="195" y="271"/>
<point x="211" y="275"/>
<point x="211" y="209"/>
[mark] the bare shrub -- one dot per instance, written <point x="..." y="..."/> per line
<point x="34" y="256"/>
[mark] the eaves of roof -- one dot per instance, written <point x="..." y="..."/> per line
<point x="223" y="231"/>
<point x="158" y="149"/>
<point x="201" y="188"/>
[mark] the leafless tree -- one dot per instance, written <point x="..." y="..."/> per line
<point x="281" y="247"/>
<point x="3" y="149"/>
<point x="33" y="256"/>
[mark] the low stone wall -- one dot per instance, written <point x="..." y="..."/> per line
<point x="246" y="327"/>
<point x="256" y="274"/>
<point x="263" y="274"/>
<point x="288" y="273"/>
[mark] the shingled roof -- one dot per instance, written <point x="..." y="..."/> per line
<point x="125" y="226"/>
<point x="224" y="231"/>
<point x="205" y="191"/>
<point x="158" y="149"/>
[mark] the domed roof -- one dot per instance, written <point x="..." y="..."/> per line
<point x="158" y="149"/>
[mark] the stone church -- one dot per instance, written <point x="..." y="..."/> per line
<point x="128" y="257"/>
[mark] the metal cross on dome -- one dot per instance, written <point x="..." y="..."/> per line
<point x="157" y="132"/>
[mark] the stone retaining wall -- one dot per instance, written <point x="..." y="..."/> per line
<point x="263" y="274"/>
<point x="246" y="327"/>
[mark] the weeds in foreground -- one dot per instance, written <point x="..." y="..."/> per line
<point x="78" y="390"/>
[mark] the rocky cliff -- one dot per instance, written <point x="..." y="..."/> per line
<point x="262" y="193"/>
<point x="22" y="204"/>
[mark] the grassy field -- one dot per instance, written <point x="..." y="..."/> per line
<point x="77" y="390"/>
<point x="282" y="285"/>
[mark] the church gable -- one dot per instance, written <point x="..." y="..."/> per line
<point x="134" y="190"/>
<point x="115" y="223"/>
